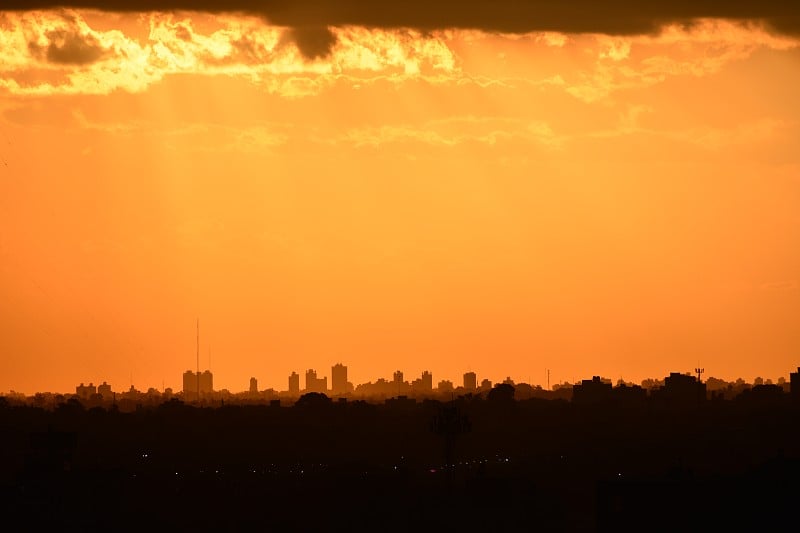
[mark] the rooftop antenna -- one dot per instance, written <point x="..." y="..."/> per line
<point x="699" y="371"/>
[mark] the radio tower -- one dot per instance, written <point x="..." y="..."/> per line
<point x="198" y="360"/>
<point x="699" y="371"/>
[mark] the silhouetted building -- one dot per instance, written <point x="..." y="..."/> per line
<point x="398" y="384"/>
<point x="339" y="379"/>
<point x="445" y="386"/>
<point x="593" y="390"/>
<point x="253" y="386"/>
<point x="423" y="384"/>
<point x="314" y="384"/>
<point x="794" y="385"/>
<point x="206" y="382"/>
<point x="84" y="392"/>
<point x="191" y="382"/>
<point x="104" y="390"/>
<point x="132" y="392"/>
<point x="763" y="394"/>
<point x="681" y="390"/>
<point x="486" y="385"/>
<point x="470" y="381"/>
<point x="294" y="384"/>
<point x="381" y="388"/>
<point x="629" y="394"/>
<point x="189" y="385"/>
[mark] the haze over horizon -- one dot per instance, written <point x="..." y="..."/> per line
<point x="438" y="197"/>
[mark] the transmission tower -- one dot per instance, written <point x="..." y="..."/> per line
<point x="699" y="371"/>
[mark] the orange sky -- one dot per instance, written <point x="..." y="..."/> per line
<point x="622" y="206"/>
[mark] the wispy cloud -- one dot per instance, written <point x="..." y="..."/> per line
<point x="455" y="131"/>
<point x="787" y="285"/>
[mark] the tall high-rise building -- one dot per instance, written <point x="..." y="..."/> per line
<point x="189" y="385"/>
<point x="399" y="386"/>
<point x="190" y="382"/>
<point x="314" y="384"/>
<point x="294" y="384"/>
<point x="794" y="385"/>
<point x="253" y="386"/>
<point x="206" y="382"/>
<point x="423" y="384"/>
<point x="338" y="379"/>
<point x="311" y="380"/>
<point x="470" y="381"/>
<point x="427" y="380"/>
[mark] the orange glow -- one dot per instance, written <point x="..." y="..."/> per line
<point x="596" y="205"/>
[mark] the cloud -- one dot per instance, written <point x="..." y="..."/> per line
<point x="68" y="48"/>
<point x="310" y="18"/>
<point x="313" y="41"/>
<point x="58" y="52"/>
<point x="45" y="53"/>
<point x="257" y="136"/>
<point x="788" y="285"/>
<point x="200" y="136"/>
<point x="745" y="134"/>
<point x="698" y="49"/>
<point x="456" y="131"/>
<point x="63" y="40"/>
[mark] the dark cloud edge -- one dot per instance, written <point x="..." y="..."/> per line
<point x="310" y="19"/>
<point x="512" y="16"/>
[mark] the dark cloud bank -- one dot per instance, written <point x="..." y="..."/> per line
<point x="67" y="48"/>
<point x="309" y="19"/>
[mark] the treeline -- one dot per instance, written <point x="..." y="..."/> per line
<point x="482" y="461"/>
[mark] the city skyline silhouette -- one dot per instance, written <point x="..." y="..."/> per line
<point x="424" y="387"/>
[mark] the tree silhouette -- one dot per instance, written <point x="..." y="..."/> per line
<point x="313" y="400"/>
<point x="501" y="394"/>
